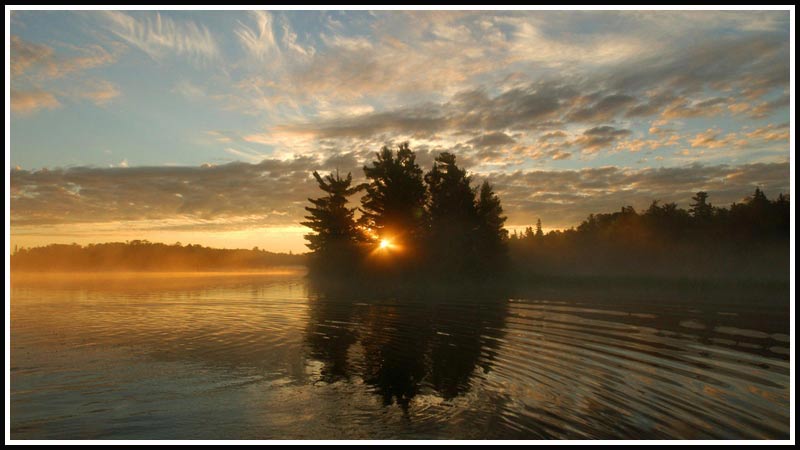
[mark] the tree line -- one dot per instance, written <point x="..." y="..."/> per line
<point x="748" y="238"/>
<point x="142" y="255"/>
<point x="410" y="222"/>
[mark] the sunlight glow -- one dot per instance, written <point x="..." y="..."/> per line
<point x="385" y="243"/>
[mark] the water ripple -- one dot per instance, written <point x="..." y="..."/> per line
<point x="267" y="357"/>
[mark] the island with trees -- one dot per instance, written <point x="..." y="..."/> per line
<point x="412" y="225"/>
<point x="438" y="226"/>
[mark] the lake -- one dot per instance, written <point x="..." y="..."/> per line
<point x="273" y="356"/>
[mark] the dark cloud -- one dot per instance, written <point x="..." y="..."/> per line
<point x="85" y="194"/>
<point x="766" y="108"/>
<point x="530" y="108"/>
<point x="564" y="198"/>
<point x="684" y="108"/>
<point x="597" y="138"/>
<point x="425" y="120"/>
<point x="751" y="62"/>
<point x="492" y="140"/>
<point x="652" y="105"/>
<point x="553" y="135"/>
<point x="603" y="110"/>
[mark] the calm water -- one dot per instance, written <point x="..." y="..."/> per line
<point x="270" y="357"/>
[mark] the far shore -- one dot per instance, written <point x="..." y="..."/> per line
<point x="83" y="275"/>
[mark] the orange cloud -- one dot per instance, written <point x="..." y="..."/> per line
<point x="28" y="102"/>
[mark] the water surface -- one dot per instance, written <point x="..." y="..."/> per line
<point x="270" y="356"/>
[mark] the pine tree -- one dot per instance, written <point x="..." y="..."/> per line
<point x="331" y="220"/>
<point x="529" y="234"/>
<point x="701" y="209"/>
<point x="452" y="199"/>
<point x="492" y="237"/>
<point x="452" y="214"/>
<point x="395" y="200"/>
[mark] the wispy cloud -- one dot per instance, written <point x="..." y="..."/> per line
<point x="189" y="90"/>
<point x="99" y="92"/>
<point x="159" y="36"/>
<point x="28" y="102"/>
<point x="40" y="61"/>
<point x="260" y="41"/>
<point x="35" y="67"/>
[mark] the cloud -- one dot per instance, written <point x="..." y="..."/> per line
<point x="99" y="92"/>
<point x="553" y="135"/>
<point x="526" y="108"/>
<point x="748" y="63"/>
<point x="34" y="66"/>
<point x="39" y="61"/>
<point x="159" y="36"/>
<point x="603" y="110"/>
<point x="87" y="194"/>
<point x="564" y="198"/>
<point x="491" y="140"/>
<point x="766" y="108"/>
<point x="597" y="138"/>
<point x="533" y="41"/>
<point x="771" y="132"/>
<point x="516" y="73"/>
<point x="684" y="108"/>
<point x="189" y="90"/>
<point x="28" y="102"/>
<point x="25" y="55"/>
<point x="401" y="54"/>
<point x="653" y="104"/>
<point x="260" y="42"/>
<point x="713" y="138"/>
<point x="636" y="145"/>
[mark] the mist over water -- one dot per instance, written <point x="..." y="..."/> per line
<point x="273" y="356"/>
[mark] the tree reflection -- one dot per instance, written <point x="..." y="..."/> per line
<point x="403" y="342"/>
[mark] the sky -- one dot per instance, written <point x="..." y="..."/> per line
<point x="205" y="126"/>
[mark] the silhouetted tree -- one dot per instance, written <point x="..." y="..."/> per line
<point x="395" y="200"/>
<point x="701" y="209"/>
<point x="452" y="213"/>
<point x="491" y="237"/>
<point x="539" y="232"/>
<point x="529" y="234"/>
<point x="666" y="220"/>
<point x="334" y="235"/>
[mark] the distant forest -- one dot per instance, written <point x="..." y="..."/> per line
<point x="141" y="255"/>
<point x="746" y="240"/>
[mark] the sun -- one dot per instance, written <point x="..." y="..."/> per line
<point x="385" y="243"/>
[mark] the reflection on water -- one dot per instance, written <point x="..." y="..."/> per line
<point x="270" y="356"/>
<point x="403" y="347"/>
